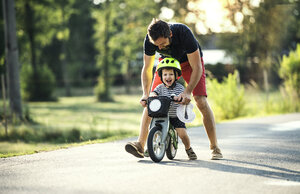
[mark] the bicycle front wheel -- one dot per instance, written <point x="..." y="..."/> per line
<point x="156" y="148"/>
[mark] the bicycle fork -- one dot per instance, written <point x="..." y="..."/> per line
<point x="163" y="124"/>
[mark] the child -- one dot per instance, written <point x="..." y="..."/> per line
<point x="169" y="70"/>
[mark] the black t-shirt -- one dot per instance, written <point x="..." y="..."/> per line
<point x="183" y="42"/>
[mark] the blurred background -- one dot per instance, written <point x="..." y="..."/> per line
<point x="94" y="48"/>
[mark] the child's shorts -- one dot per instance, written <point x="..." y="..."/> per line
<point x="177" y="123"/>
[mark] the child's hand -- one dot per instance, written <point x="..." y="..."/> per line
<point x="175" y="98"/>
<point x="152" y="94"/>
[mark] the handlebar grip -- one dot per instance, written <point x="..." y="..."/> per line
<point x="172" y="97"/>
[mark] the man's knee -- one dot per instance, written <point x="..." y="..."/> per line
<point x="201" y="102"/>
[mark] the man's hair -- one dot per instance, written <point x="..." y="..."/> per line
<point x="157" y="29"/>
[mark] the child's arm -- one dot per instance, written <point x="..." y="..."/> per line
<point x="156" y="91"/>
<point x="153" y="94"/>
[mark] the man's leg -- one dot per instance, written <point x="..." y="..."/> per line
<point x="200" y="94"/>
<point x="137" y="148"/>
<point x="144" y="128"/>
<point x="208" y="119"/>
<point x="209" y="125"/>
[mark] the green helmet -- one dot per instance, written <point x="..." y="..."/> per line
<point x="170" y="63"/>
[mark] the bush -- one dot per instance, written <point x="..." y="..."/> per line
<point x="228" y="97"/>
<point x="39" y="86"/>
<point x="290" y="73"/>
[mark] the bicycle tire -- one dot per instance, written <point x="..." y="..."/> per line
<point x="171" y="149"/>
<point x="155" y="147"/>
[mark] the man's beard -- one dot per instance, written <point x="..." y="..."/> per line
<point x="168" y="47"/>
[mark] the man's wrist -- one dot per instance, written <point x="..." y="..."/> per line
<point x="145" y="96"/>
<point x="188" y="91"/>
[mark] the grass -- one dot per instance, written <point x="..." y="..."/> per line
<point x="72" y="121"/>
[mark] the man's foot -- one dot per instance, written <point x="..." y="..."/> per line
<point x="191" y="154"/>
<point x="135" y="149"/>
<point x="216" y="153"/>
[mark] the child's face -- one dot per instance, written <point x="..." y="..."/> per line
<point x="168" y="77"/>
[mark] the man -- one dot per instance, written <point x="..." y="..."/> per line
<point x="177" y="41"/>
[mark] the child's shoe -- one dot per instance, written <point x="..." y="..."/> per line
<point x="191" y="154"/>
<point x="216" y="153"/>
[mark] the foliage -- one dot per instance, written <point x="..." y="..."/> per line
<point x="228" y="97"/>
<point x="44" y="79"/>
<point x="2" y="49"/>
<point x="121" y="27"/>
<point x="264" y="33"/>
<point x="217" y="71"/>
<point x="290" y="73"/>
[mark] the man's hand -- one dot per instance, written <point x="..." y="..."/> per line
<point x="184" y="98"/>
<point x="143" y="100"/>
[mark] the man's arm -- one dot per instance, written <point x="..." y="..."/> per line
<point x="146" y="77"/>
<point x="195" y="62"/>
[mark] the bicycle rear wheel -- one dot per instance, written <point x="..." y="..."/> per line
<point x="172" y="146"/>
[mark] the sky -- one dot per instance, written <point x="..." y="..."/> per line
<point x="212" y="13"/>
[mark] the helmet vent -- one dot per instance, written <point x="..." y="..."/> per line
<point x="167" y="61"/>
<point x="172" y="61"/>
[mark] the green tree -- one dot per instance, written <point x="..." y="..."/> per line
<point x="106" y="31"/>
<point x="32" y="34"/>
<point x="262" y="34"/>
<point x="2" y="47"/>
<point x="81" y="49"/>
<point x="132" y="22"/>
<point x="12" y="58"/>
<point x="71" y="44"/>
<point x="121" y="27"/>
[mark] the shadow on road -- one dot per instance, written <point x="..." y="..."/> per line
<point x="235" y="166"/>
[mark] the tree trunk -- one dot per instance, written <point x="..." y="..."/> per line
<point x="30" y="28"/>
<point x="64" y="57"/>
<point x="106" y="71"/>
<point x="12" y="58"/>
<point x="4" y="103"/>
<point x="128" y="78"/>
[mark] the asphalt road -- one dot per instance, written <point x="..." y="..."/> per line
<point x="260" y="156"/>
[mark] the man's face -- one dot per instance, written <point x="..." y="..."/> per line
<point x="162" y="43"/>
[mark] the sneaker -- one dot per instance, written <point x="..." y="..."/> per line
<point x="135" y="149"/>
<point x="216" y="153"/>
<point x="191" y="154"/>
